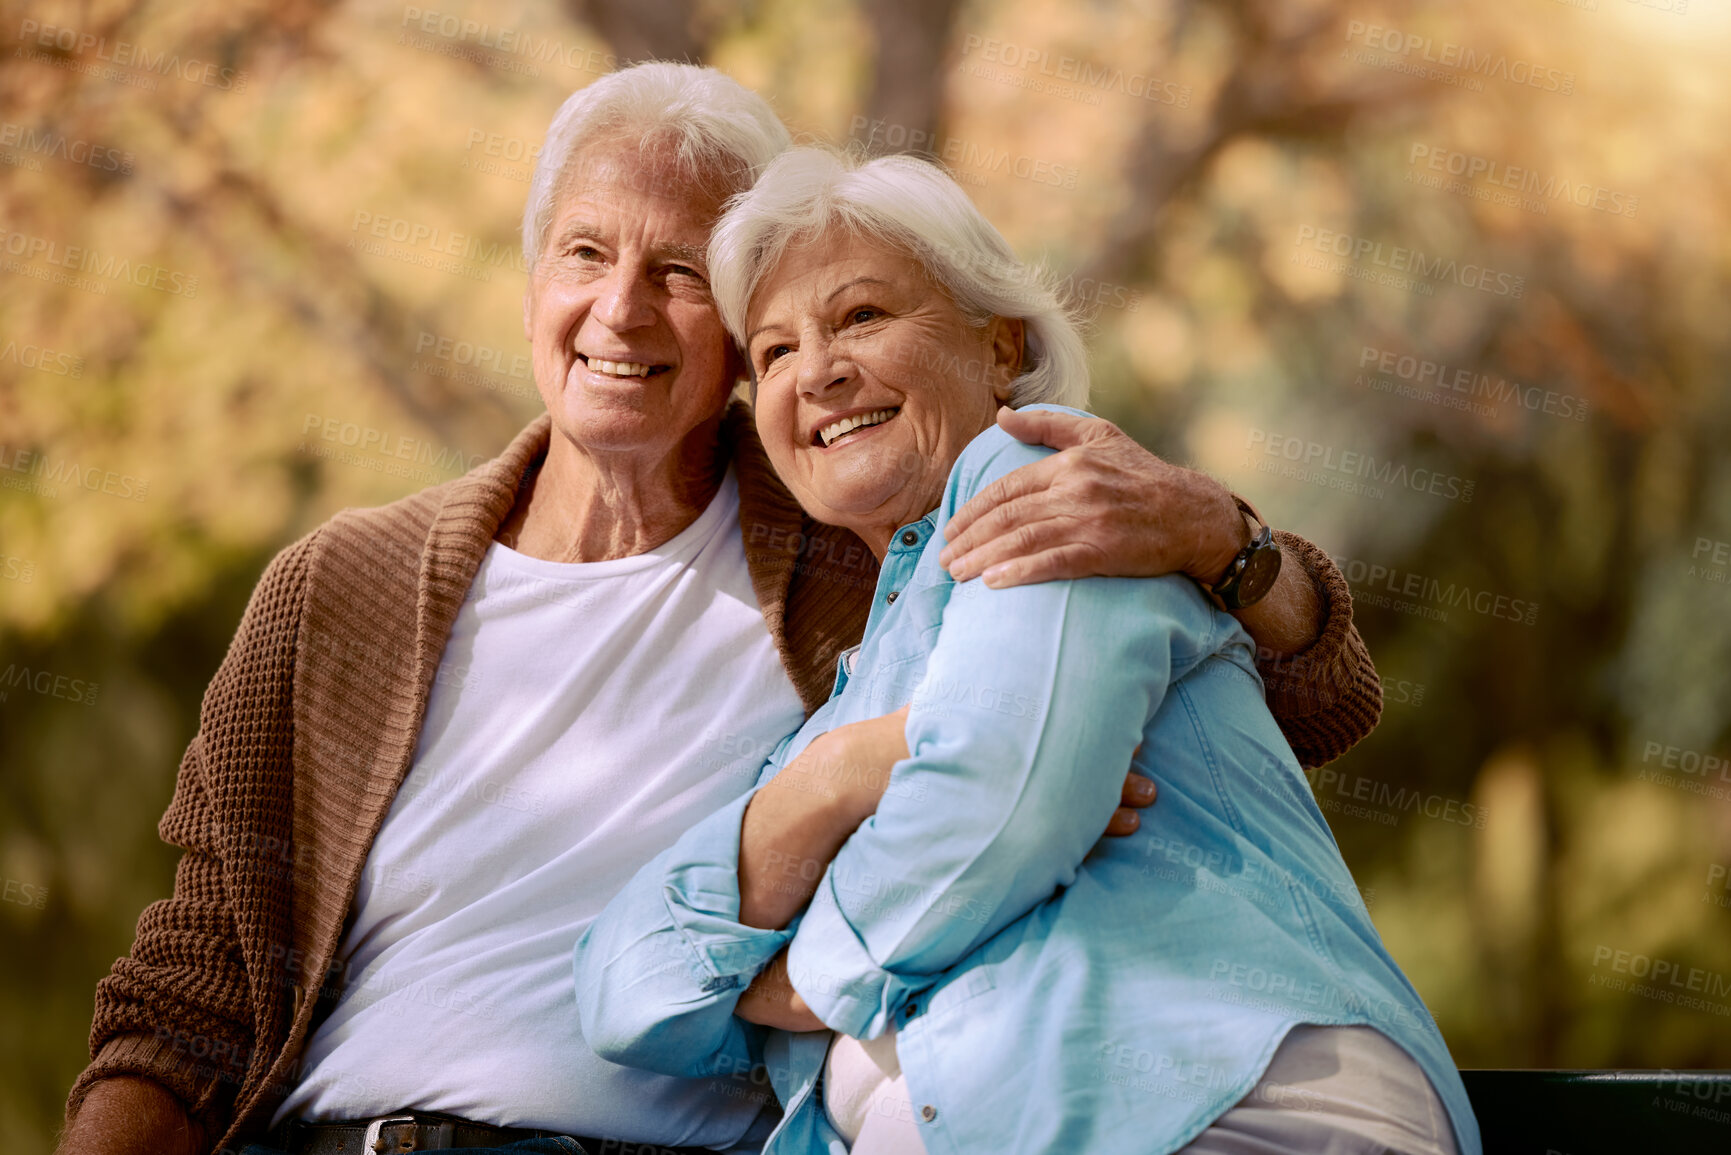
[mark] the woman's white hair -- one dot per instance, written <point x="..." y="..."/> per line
<point x="913" y="206"/>
<point x="720" y="133"/>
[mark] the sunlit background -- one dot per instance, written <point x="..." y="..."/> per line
<point x="1441" y="286"/>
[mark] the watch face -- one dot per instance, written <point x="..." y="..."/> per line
<point x="1260" y="571"/>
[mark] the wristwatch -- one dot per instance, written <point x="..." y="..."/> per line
<point x="1251" y="573"/>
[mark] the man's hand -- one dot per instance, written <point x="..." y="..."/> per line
<point x="1103" y="506"/>
<point x="128" y="1116"/>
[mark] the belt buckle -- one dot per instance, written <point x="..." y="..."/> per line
<point x="375" y="1142"/>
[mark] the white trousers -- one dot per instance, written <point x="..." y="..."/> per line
<point x="1328" y="1091"/>
<point x="1334" y="1091"/>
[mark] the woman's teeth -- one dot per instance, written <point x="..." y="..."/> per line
<point x="619" y="368"/>
<point x="835" y="429"/>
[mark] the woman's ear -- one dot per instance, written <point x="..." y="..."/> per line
<point x="1007" y="335"/>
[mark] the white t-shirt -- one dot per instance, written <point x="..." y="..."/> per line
<point x="584" y="716"/>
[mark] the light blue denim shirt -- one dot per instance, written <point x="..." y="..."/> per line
<point x="1051" y="990"/>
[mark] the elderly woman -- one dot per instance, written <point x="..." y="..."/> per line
<point x="998" y="979"/>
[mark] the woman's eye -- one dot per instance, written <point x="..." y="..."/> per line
<point x="773" y="352"/>
<point x="862" y="314"/>
<point x="586" y="252"/>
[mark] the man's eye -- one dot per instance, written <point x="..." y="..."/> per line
<point x="684" y="271"/>
<point x="773" y="352"/>
<point x="586" y="252"/>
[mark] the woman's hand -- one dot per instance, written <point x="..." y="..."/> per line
<point x="771" y="1001"/>
<point x="794" y="825"/>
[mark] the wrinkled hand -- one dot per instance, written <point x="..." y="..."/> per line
<point x="1101" y="507"/>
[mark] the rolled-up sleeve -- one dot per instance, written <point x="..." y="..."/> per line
<point x="1019" y="735"/>
<point x="660" y="970"/>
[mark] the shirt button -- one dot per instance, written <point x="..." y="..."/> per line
<point x="910" y="538"/>
<point x="928" y="1112"/>
<point x="892" y="596"/>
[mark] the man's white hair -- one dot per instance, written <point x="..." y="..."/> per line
<point x="913" y="206"/>
<point x="719" y="133"/>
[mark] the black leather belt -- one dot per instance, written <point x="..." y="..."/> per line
<point x="394" y="1134"/>
<point x="429" y="1131"/>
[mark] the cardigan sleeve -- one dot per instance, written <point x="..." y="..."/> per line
<point x="178" y="1008"/>
<point x="1327" y="697"/>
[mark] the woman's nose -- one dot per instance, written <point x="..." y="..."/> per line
<point x="820" y="370"/>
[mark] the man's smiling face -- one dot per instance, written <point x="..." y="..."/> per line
<point x="630" y="355"/>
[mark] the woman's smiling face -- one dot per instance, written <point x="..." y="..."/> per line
<point x="870" y="381"/>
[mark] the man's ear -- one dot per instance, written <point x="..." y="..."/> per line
<point x="528" y="301"/>
<point x="1008" y="336"/>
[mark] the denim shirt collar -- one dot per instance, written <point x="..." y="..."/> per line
<point x="907" y="546"/>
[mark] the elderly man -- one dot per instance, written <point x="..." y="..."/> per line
<point x="450" y="729"/>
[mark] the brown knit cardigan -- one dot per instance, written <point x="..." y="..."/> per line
<point x="312" y="720"/>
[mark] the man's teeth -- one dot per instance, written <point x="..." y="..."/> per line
<point x="848" y="424"/>
<point x="620" y="368"/>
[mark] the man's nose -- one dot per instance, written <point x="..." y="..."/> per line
<point x="624" y="302"/>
